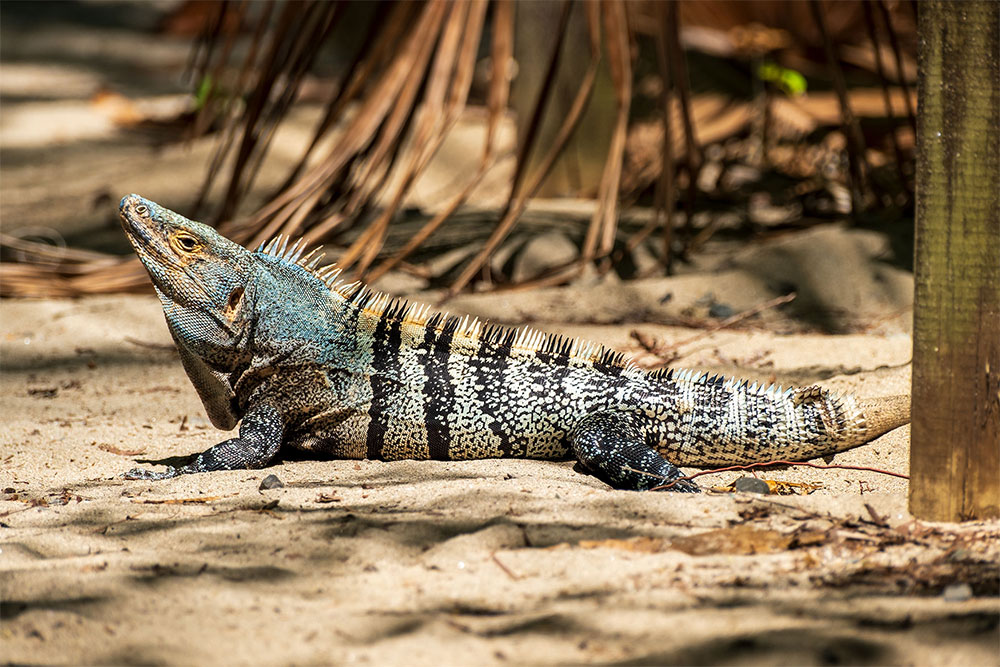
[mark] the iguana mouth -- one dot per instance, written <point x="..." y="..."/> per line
<point x="136" y="232"/>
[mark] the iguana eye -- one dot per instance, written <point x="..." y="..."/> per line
<point x="184" y="243"/>
<point x="141" y="209"/>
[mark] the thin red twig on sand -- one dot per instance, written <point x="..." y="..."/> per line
<point x="503" y="567"/>
<point x="750" y="466"/>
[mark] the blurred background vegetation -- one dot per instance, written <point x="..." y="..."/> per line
<point x="440" y="128"/>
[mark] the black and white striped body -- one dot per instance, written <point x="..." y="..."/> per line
<point x="397" y="384"/>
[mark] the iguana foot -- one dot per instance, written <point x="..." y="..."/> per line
<point x="257" y="444"/>
<point x="609" y="445"/>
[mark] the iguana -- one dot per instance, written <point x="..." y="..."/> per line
<point x="301" y="358"/>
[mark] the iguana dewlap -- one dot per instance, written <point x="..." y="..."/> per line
<point x="300" y="358"/>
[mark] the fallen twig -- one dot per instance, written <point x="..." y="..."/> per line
<point x="876" y="517"/>
<point x="749" y="466"/>
<point x="503" y="567"/>
<point x="669" y="352"/>
<point x="739" y="317"/>
<point x="179" y="501"/>
<point x="651" y="345"/>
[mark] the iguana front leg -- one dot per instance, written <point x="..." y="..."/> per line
<point x="257" y="444"/>
<point x="610" y="446"/>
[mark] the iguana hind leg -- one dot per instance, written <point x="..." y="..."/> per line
<point x="257" y="444"/>
<point x="609" y="445"/>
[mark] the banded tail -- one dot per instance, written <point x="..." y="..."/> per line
<point x="716" y="421"/>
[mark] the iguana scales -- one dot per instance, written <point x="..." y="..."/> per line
<point x="301" y="358"/>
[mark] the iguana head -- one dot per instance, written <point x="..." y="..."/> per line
<point x="204" y="282"/>
<point x="190" y="263"/>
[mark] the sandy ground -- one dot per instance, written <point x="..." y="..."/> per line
<point x="405" y="563"/>
<point x="448" y="563"/>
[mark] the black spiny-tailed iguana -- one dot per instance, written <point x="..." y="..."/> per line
<point x="309" y="361"/>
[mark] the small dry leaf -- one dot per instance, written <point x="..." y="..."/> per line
<point x="121" y="452"/>
<point x="781" y="488"/>
<point x="774" y="487"/>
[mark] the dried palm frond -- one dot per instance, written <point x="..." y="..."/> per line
<point x="401" y="78"/>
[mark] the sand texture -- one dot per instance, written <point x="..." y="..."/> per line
<point x="483" y="562"/>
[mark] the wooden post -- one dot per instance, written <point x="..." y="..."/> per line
<point x="955" y="451"/>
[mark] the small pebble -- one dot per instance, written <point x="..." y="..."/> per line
<point x="720" y="310"/>
<point x="751" y="485"/>
<point x="957" y="593"/>
<point x="271" y="482"/>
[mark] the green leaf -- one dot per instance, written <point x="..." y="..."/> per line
<point x="788" y="81"/>
<point x="205" y="87"/>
